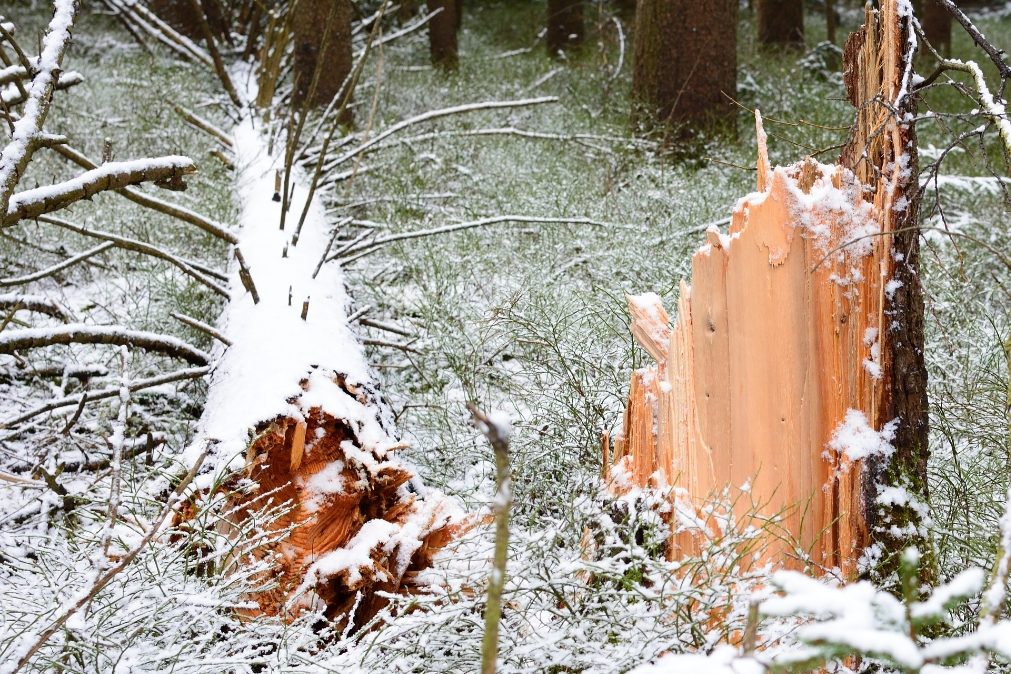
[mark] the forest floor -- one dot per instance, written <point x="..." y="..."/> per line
<point x="530" y="318"/>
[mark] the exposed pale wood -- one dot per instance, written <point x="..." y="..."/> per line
<point x="781" y="332"/>
<point x="334" y="488"/>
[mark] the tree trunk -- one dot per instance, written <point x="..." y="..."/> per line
<point x="830" y="21"/>
<point x="795" y="363"/>
<point x="780" y="22"/>
<point x="296" y="427"/>
<point x="565" y="25"/>
<point x="442" y="33"/>
<point x="936" y="23"/>
<point x="685" y="62"/>
<point x="625" y="7"/>
<point x="322" y="31"/>
<point x="875" y="58"/>
<point x="180" y="15"/>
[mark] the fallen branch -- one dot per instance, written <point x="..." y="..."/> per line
<point x="202" y="124"/>
<point x="78" y="333"/>
<point x="60" y="266"/>
<point x="35" y="303"/>
<point x="366" y="248"/>
<point x="63" y="82"/>
<point x="193" y="269"/>
<point x="91" y="396"/>
<point x="15" y="156"/>
<point x="174" y="210"/>
<point x="163" y="171"/>
<point x="201" y="326"/>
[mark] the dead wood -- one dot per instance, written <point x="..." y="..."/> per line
<point x="165" y="172"/>
<point x="33" y="338"/>
<point x="359" y="528"/>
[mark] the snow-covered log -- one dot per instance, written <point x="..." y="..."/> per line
<point x="791" y="368"/>
<point x="295" y="417"/>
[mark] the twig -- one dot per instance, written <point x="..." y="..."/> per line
<point x="498" y="436"/>
<point x="49" y="271"/>
<point x="201" y="326"/>
<point x="368" y="247"/>
<point x="437" y="114"/>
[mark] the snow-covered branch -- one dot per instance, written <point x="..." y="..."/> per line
<point x="77" y="333"/>
<point x="164" y="172"/>
<point x="15" y="156"/>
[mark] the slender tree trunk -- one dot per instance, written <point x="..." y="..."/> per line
<point x="780" y="22"/>
<point x="565" y="25"/>
<point x="936" y="22"/>
<point x="830" y="21"/>
<point x="322" y="50"/>
<point x="625" y="7"/>
<point x="406" y="11"/>
<point x="442" y="33"/>
<point x="180" y="15"/>
<point x="685" y="61"/>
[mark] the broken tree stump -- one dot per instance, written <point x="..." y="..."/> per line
<point x="791" y="367"/>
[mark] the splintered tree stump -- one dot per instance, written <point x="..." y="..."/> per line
<point x="778" y="374"/>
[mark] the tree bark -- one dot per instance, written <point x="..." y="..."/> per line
<point x="566" y="28"/>
<point x="180" y="15"/>
<point x="685" y="62"/>
<point x="442" y="33"/>
<point x="780" y="22"/>
<point x="322" y="50"/>
<point x="830" y="21"/>
<point x="879" y="140"/>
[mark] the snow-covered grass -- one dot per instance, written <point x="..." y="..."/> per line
<point x="524" y="318"/>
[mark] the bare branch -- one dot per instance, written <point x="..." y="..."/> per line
<point x="35" y="303"/>
<point x="193" y="269"/>
<point x="201" y="326"/>
<point x="368" y="247"/>
<point x="164" y="171"/>
<point x="135" y="385"/>
<point x="212" y="47"/>
<point x="996" y="55"/>
<point x="202" y="124"/>
<point x="63" y="264"/>
<point x="174" y="210"/>
<point x="63" y="82"/>
<point x="79" y="333"/>
<point x="15" y="156"/>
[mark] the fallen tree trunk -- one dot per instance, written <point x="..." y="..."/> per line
<point x="793" y="370"/>
<point x="294" y="422"/>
